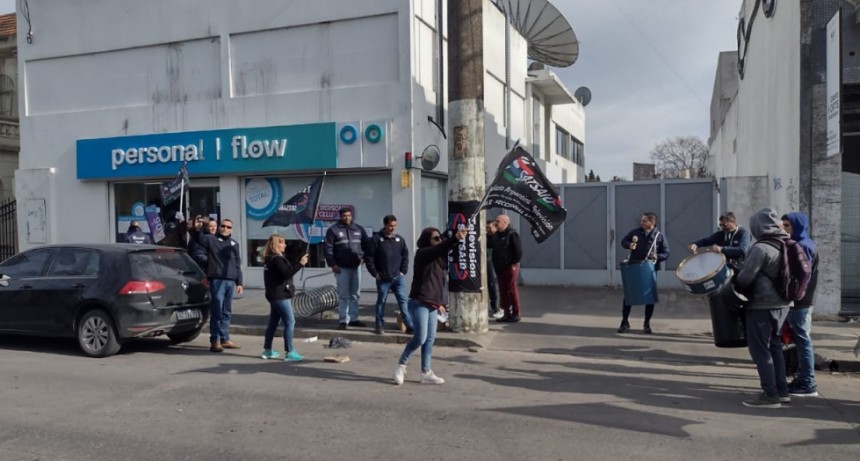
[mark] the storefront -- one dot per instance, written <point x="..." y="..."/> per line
<point x="265" y="165"/>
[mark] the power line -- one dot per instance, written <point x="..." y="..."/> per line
<point x="658" y="53"/>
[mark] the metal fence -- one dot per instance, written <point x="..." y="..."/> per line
<point x="8" y="229"/>
<point x="587" y="249"/>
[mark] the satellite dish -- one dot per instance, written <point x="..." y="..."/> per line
<point x="430" y="157"/>
<point x="583" y="95"/>
<point x="550" y="37"/>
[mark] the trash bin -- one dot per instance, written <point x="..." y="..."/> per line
<point x="727" y="317"/>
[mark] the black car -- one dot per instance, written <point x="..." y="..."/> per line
<point x="104" y="294"/>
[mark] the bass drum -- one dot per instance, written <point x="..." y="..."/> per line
<point x="703" y="273"/>
<point x="727" y="317"/>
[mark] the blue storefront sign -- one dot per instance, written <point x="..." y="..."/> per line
<point x="214" y="152"/>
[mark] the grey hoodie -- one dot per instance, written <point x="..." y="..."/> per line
<point x="762" y="263"/>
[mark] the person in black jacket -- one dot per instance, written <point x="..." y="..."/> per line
<point x="387" y="261"/>
<point x="345" y="242"/>
<point x="224" y="270"/>
<point x="136" y="235"/>
<point x="644" y="242"/>
<point x="278" y="279"/>
<point x="731" y="240"/>
<point x="426" y="298"/>
<point x="507" y="250"/>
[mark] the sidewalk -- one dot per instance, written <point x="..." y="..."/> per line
<point x="576" y="321"/>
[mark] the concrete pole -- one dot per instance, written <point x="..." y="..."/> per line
<point x="466" y="145"/>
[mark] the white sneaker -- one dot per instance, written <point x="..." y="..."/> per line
<point x="399" y="374"/>
<point x="498" y="314"/>
<point x="430" y="378"/>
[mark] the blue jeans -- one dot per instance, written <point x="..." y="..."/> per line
<point x="220" y="308"/>
<point x="280" y="309"/>
<point x="765" y="346"/>
<point x="398" y="286"/>
<point x="348" y="290"/>
<point x="800" y="322"/>
<point x="425" y="334"/>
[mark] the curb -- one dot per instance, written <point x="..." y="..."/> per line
<point x="355" y="335"/>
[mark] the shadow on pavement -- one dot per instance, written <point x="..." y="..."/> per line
<point x="305" y="369"/>
<point x="664" y="394"/>
<point x="644" y="352"/>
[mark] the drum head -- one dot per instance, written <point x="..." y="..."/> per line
<point x="701" y="266"/>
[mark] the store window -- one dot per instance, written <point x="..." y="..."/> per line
<point x="368" y="195"/>
<point x="434" y="202"/>
<point x="132" y="199"/>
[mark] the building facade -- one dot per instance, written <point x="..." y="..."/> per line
<point x="769" y="130"/>
<point x="258" y="98"/>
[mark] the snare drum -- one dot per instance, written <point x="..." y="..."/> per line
<point x="703" y="273"/>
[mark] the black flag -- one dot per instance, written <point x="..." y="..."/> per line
<point x="171" y="190"/>
<point x="521" y="186"/>
<point x="300" y="208"/>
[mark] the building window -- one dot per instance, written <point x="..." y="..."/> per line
<point x="7" y="96"/>
<point x="578" y="151"/>
<point x="562" y="144"/>
<point x="368" y="195"/>
<point x="131" y="200"/>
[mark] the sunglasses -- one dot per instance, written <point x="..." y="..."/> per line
<point x="436" y="238"/>
<point x="226" y="227"/>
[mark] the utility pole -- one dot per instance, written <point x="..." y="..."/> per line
<point x="466" y="178"/>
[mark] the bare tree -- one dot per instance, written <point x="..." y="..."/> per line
<point x="681" y="157"/>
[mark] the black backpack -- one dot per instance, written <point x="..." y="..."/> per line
<point x="795" y="269"/>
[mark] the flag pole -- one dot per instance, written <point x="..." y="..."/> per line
<point x="313" y="221"/>
<point x="487" y="192"/>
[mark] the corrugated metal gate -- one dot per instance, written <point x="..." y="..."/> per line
<point x="8" y="230"/>
<point x="587" y="249"/>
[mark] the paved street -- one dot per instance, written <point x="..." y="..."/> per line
<point x="154" y="401"/>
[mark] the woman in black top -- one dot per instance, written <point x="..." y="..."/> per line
<point x="278" y="278"/>
<point x="426" y="299"/>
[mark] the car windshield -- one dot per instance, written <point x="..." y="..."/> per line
<point x="155" y="264"/>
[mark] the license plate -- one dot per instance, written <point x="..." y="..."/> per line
<point x="188" y="314"/>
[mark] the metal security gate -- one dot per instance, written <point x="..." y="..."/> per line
<point x="587" y="249"/>
<point x="8" y="230"/>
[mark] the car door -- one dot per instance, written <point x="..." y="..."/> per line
<point x="60" y="291"/>
<point x="25" y="271"/>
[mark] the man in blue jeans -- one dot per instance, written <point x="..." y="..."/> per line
<point x="345" y="242"/>
<point x="388" y="262"/>
<point x="800" y="315"/>
<point x="224" y="270"/>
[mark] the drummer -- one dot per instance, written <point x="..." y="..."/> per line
<point x="731" y="240"/>
<point x="644" y="242"/>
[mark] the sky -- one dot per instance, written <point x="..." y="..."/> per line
<point x="650" y="66"/>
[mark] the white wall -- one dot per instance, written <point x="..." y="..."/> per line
<point x="760" y="134"/>
<point x="105" y="68"/>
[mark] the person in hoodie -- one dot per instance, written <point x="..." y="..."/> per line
<point x="136" y="235"/>
<point x="799" y="320"/>
<point x="345" y="242"/>
<point x="280" y="289"/>
<point x="388" y="262"/>
<point x="766" y="311"/>
<point x="427" y="299"/>
<point x="224" y="270"/>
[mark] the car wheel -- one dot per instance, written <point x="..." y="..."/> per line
<point x="97" y="335"/>
<point x="185" y="336"/>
